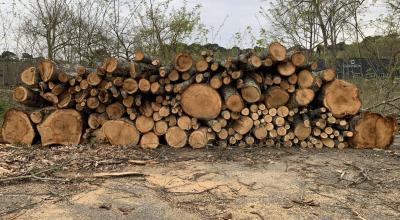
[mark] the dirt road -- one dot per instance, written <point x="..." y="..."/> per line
<point x="241" y="183"/>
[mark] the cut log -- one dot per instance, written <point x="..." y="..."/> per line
<point x="142" y="57"/>
<point x="301" y="97"/>
<point x="92" y="102"/>
<point x="341" y="98"/>
<point x="372" y="130"/>
<point x="66" y="100"/>
<point x="277" y="52"/>
<point x="28" y="97"/>
<point x="50" y="97"/>
<point x="144" y="124"/>
<point x="48" y="70"/>
<point x="130" y="86"/>
<point x="201" y="66"/>
<point x="115" y="111"/>
<point x="298" y="58"/>
<point x="305" y="79"/>
<point x="110" y="64"/>
<point x="64" y="126"/>
<point x="302" y="131"/>
<point x="17" y="128"/>
<point x="30" y="76"/>
<point x="183" y="62"/>
<point x="216" y="82"/>
<point x="201" y="101"/>
<point x="198" y="138"/>
<point x="38" y="115"/>
<point x="326" y="75"/>
<point x="149" y="141"/>
<point x="160" y="128"/>
<point x="176" y="137"/>
<point x="120" y="132"/>
<point x="184" y="122"/>
<point x="243" y="125"/>
<point x="276" y="97"/>
<point x="232" y="98"/>
<point x="144" y="85"/>
<point x="93" y="79"/>
<point x="286" y="68"/>
<point x="250" y="91"/>
<point x="260" y="132"/>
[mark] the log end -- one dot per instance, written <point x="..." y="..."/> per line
<point x="183" y="62"/>
<point x="17" y="128"/>
<point x="120" y="132"/>
<point x="201" y="101"/>
<point x="341" y="98"/>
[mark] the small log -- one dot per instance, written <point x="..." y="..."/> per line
<point x="160" y="128"/>
<point x="298" y="58"/>
<point x="250" y="91"/>
<point x="277" y="52"/>
<point x="38" y="115"/>
<point x="301" y="131"/>
<point x="201" y="66"/>
<point x="216" y="82"/>
<point x="120" y="132"/>
<point x="243" y="125"/>
<point x="201" y="101"/>
<point x="142" y="57"/>
<point x="183" y="62"/>
<point x="115" y="111"/>
<point x="30" y="76"/>
<point x="286" y="68"/>
<point x="48" y="70"/>
<point x="260" y="132"/>
<point x="326" y="75"/>
<point x="96" y="120"/>
<point x="144" y="85"/>
<point x="64" y="126"/>
<point x="276" y="97"/>
<point x="93" y="79"/>
<point x="232" y="99"/>
<point x="184" y="122"/>
<point x="176" y="137"/>
<point x="144" y="124"/>
<point x="17" y="128"/>
<point x="130" y="86"/>
<point x="198" y="138"/>
<point x="28" y="97"/>
<point x="149" y="141"/>
<point x="301" y="97"/>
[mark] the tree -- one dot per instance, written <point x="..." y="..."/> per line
<point x="165" y="27"/>
<point x="50" y="22"/>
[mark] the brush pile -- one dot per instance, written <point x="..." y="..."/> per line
<point x="272" y="99"/>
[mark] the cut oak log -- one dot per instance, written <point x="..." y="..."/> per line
<point x="232" y="98"/>
<point x="28" y="97"/>
<point x="120" y="132"/>
<point x="277" y="52"/>
<point x="372" y="130"/>
<point x="198" y="138"/>
<point x="149" y="141"/>
<point x="201" y="101"/>
<point x="30" y="76"/>
<point x="183" y="62"/>
<point x="176" y="137"/>
<point x="64" y="126"/>
<point x="341" y="98"/>
<point x="276" y="97"/>
<point x="250" y="91"/>
<point x="17" y="128"/>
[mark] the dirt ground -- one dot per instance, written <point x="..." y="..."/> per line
<point x="105" y="182"/>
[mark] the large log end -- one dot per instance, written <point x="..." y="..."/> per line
<point x="120" y="132"/>
<point x="63" y="127"/>
<point x="17" y="128"/>
<point x="341" y="98"/>
<point x="201" y="101"/>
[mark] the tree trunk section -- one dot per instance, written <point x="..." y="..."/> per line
<point x="17" y="128"/>
<point x="64" y="126"/>
<point x="201" y="101"/>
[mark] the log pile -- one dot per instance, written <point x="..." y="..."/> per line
<point x="273" y="99"/>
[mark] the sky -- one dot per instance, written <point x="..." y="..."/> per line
<point x="232" y="15"/>
<point x="242" y="13"/>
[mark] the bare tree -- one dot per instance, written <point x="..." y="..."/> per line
<point x="49" y="22"/>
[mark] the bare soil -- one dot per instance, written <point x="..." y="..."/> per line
<point x="74" y="182"/>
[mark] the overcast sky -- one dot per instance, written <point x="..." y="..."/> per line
<point x="237" y="14"/>
<point x="242" y="13"/>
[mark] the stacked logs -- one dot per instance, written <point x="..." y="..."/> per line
<point x="272" y="99"/>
